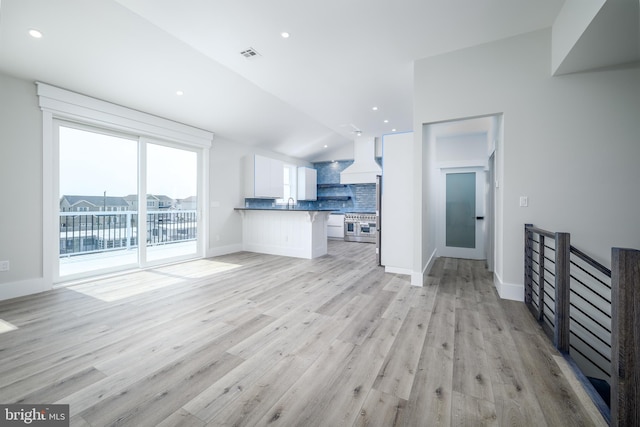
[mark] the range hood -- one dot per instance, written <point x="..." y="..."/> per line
<point x="364" y="168"/>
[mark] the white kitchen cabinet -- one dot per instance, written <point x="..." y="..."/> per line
<point x="335" y="226"/>
<point x="264" y="177"/>
<point x="307" y="183"/>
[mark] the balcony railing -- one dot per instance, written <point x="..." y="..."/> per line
<point x="92" y="232"/>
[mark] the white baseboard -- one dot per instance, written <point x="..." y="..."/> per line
<point x="432" y="260"/>
<point x="510" y="291"/>
<point x="224" y="250"/>
<point x="397" y="270"/>
<point x="23" y="287"/>
<point x="417" y="279"/>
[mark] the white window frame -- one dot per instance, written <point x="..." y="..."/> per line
<point x="293" y="185"/>
<point x="60" y="104"/>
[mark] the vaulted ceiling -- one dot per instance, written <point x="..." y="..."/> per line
<point x="315" y="88"/>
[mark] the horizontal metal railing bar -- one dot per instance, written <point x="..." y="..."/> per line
<point x="590" y="303"/>
<point x="589" y="360"/>
<point x="595" y="350"/>
<point x="589" y="288"/>
<point x="591" y="274"/>
<point x="550" y="284"/>
<point x="590" y="332"/>
<point x="593" y="263"/>
<point x="551" y="297"/>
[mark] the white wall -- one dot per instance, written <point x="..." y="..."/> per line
<point x="397" y="201"/>
<point x="570" y="24"/>
<point x="462" y="150"/>
<point x="569" y="143"/>
<point x="20" y="185"/>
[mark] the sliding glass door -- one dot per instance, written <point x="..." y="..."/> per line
<point x="172" y="200"/>
<point x="124" y="201"/>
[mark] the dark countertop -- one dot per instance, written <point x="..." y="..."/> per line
<point x="285" y="209"/>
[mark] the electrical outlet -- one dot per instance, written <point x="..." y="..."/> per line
<point x="4" y="265"/>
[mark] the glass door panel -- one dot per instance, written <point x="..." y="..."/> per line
<point x="461" y="210"/>
<point x="460" y="230"/>
<point x="98" y="180"/>
<point x="172" y="203"/>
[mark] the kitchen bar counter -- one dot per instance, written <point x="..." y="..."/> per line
<point x="299" y="233"/>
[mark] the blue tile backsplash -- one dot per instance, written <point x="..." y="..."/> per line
<point x="332" y="194"/>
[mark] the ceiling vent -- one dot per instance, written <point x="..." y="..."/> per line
<point x="249" y="53"/>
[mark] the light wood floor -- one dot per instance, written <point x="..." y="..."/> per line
<point x="249" y="339"/>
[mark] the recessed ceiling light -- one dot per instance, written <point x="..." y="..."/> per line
<point x="325" y="145"/>
<point x="36" y="34"/>
<point x="285" y="35"/>
<point x="393" y="130"/>
<point x="179" y="93"/>
<point x="386" y="121"/>
<point x="375" y="108"/>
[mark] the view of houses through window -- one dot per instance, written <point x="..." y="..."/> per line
<point x="100" y="178"/>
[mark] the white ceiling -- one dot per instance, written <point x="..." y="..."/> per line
<point x="313" y="89"/>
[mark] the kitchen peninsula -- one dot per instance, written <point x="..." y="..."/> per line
<point x="299" y="233"/>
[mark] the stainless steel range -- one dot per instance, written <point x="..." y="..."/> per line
<point x="360" y="227"/>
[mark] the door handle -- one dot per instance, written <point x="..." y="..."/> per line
<point x="479" y="217"/>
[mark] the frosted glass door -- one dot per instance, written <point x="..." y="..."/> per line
<point x="460" y="230"/>
<point x="461" y="210"/>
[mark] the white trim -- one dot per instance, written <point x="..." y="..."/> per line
<point x="224" y="250"/>
<point x="432" y="260"/>
<point x="70" y="105"/>
<point x="509" y="291"/>
<point x="480" y="236"/>
<point x="60" y="104"/>
<point x="417" y="279"/>
<point x="398" y="270"/>
<point x="455" y="164"/>
<point x="24" y="287"/>
<point x="50" y="204"/>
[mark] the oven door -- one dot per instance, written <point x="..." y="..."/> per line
<point x="366" y="229"/>
<point x="350" y="229"/>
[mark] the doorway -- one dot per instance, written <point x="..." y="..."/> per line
<point x="461" y="222"/>
<point x="124" y="201"/>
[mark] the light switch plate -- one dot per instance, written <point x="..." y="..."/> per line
<point x="524" y="201"/>
<point x="4" y="265"/>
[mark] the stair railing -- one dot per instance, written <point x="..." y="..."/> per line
<point x="592" y="316"/>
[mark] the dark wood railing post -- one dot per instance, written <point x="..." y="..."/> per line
<point x="528" y="264"/>
<point x="625" y="337"/>
<point x="541" y="278"/>
<point x="561" y="329"/>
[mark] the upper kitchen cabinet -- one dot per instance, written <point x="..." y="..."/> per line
<point x="307" y="184"/>
<point x="265" y="178"/>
